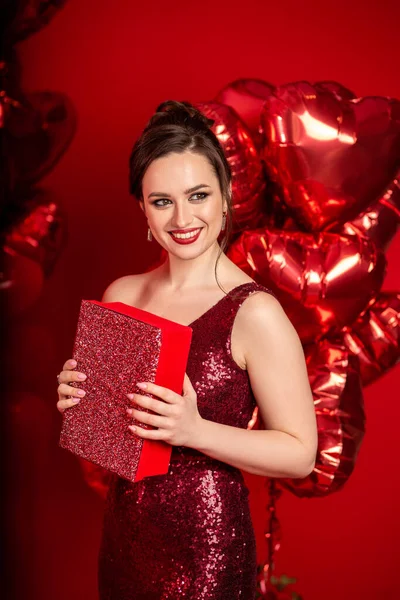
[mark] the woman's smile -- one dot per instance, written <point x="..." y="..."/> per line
<point x="188" y="236"/>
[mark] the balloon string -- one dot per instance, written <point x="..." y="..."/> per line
<point x="271" y="533"/>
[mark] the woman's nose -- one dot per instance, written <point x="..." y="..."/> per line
<point x="182" y="217"/>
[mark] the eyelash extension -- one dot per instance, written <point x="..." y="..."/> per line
<point x="205" y="194"/>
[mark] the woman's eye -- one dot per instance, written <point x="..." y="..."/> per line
<point x="200" y="194"/>
<point x="162" y="200"/>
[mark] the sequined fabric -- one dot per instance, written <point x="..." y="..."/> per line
<point x="188" y="534"/>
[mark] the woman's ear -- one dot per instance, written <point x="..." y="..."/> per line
<point x="142" y="206"/>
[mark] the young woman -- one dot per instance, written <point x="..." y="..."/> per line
<point x="188" y="534"/>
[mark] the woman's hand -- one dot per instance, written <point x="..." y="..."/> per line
<point x="177" y="417"/>
<point x="69" y="395"/>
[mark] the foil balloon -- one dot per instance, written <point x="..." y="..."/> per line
<point x="331" y="157"/>
<point x="248" y="185"/>
<point x="247" y="97"/>
<point x="38" y="130"/>
<point x="40" y="231"/>
<point x="337" y="89"/>
<point x="278" y="213"/>
<point x="323" y="280"/>
<point x="380" y="222"/>
<point x="25" y="17"/>
<point x="336" y="385"/>
<point x="375" y="337"/>
<point x="21" y="282"/>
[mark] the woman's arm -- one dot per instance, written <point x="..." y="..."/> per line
<point x="278" y="375"/>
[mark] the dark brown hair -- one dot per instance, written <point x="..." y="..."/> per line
<point x="180" y="127"/>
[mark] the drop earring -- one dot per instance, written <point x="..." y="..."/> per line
<point x="149" y="235"/>
<point x="223" y="221"/>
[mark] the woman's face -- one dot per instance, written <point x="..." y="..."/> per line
<point x="185" y="221"/>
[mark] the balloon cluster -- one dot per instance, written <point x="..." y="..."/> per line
<point x="316" y="187"/>
<point x="36" y="129"/>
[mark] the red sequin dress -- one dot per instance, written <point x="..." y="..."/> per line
<point x="188" y="534"/>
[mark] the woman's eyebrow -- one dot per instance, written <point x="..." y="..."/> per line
<point x="189" y="191"/>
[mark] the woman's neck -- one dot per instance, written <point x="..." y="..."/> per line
<point x="179" y="275"/>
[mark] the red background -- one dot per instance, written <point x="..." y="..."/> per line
<point x="117" y="61"/>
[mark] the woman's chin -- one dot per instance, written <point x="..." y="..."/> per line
<point x="188" y="250"/>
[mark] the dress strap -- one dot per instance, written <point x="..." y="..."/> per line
<point x="241" y="292"/>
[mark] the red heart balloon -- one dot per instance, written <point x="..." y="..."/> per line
<point x="248" y="184"/>
<point x="40" y="231"/>
<point x="375" y="337"/>
<point x="335" y="382"/>
<point x="21" y="282"/>
<point x="323" y="280"/>
<point x="331" y="156"/>
<point x="38" y="130"/>
<point x="338" y="90"/>
<point x="29" y="16"/>
<point x="247" y="97"/>
<point x="381" y="220"/>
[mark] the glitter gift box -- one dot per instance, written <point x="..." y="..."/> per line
<point x="116" y="346"/>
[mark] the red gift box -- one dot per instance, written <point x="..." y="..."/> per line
<point x="116" y="346"/>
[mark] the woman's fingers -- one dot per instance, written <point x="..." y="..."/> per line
<point x="157" y="390"/>
<point x="69" y="395"/>
<point x="69" y="390"/>
<point x="148" y="418"/>
<point x="68" y="376"/>
<point x="63" y="404"/>
<point x="69" y="364"/>
<point x="157" y="406"/>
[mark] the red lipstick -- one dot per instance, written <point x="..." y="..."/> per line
<point x="188" y="240"/>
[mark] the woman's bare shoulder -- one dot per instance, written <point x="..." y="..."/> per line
<point x="260" y="312"/>
<point x="258" y="316"/>
<point x="125" y="288"/>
